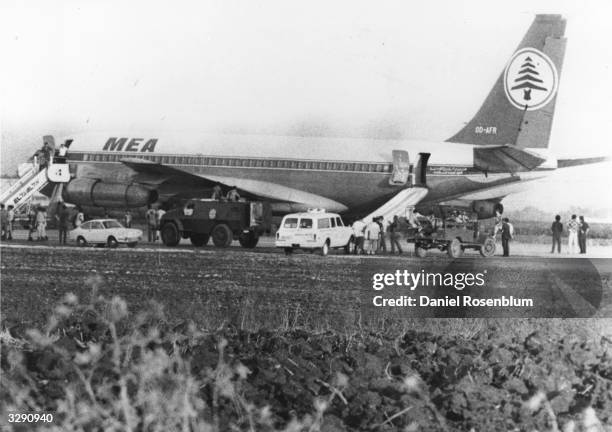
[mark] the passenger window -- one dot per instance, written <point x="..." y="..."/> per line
<point x="305" y="223"/>
<point x="290" y="223"/>
<point x="86" y="225"/>
<point x="339" y="221"/>
<point x="323" y="223"/>
<point x="333" y="223"/>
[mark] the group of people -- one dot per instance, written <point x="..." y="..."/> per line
<point x="153" y="217"/>
<point x="370" y="238"/>
<point x="232" y="195"/>
<point x="48" y="153"/>
<point x="577" y="232"/>
<point x="7" y="218"/>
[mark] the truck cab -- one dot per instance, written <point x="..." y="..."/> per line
<point x="224" y="221"/>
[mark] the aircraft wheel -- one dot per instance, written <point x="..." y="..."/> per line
<point x="420" y="251"/>
<point x="199" y="240"/>
<point x="81" y="241"/>
<point x="248" y="240"/>
<point x="222" y="235"/>
<point x="454" y="248"/>
<point x="112" y="242"/>
<point x="170" y="234"/>
<point x="488" y="247"/>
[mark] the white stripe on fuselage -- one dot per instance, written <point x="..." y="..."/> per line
<point x="278" y="147"/>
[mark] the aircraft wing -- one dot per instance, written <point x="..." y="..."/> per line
<point x="566" y="163"/>
<point x="154" y="173"/>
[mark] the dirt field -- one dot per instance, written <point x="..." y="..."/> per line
<point x="297" y="325"/>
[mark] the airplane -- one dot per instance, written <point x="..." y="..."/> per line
<point x="503" y="146"/>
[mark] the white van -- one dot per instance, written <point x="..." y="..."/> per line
<point x="314" y="230"/>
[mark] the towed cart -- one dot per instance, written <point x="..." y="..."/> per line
<point x="452" y="235"/>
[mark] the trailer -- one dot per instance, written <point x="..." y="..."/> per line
<point x="452" y="235"/>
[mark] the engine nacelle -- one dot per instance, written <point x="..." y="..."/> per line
<point x="98" y="193"/>
<point x="487" y="209"/>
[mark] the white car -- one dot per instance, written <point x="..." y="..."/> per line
<point x="105" y="231"/>
<point x="314" y="230"/>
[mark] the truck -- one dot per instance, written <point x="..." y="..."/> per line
<point x="224" y="221"/>
<point x="450" y="235"/>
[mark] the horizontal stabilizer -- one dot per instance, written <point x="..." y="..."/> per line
<point x="499" y="159"/>
<point x="566" y="163"/>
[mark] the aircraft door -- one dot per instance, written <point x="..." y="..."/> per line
<point x="401" y="168"/>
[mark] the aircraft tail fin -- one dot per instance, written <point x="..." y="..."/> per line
<point x="519" y="109"/>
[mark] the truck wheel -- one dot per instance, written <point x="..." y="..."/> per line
<point x="170" y="234"/>
<point x="222" y="235"/>
<point x="324" y="250"/>
<point x="419" y="251"/>
<point x="454" y="248"/>
<point x="199" y="240"/>
<point x="488" y="247"/>
<point x="248" y="240"/>
<point x="348" y="249"/>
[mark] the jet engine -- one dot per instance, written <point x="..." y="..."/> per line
<point x="98" y="193"/>
<point x="487" y="208"/>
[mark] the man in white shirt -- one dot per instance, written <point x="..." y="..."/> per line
<point x="572" y="228"/>
<point x="160" y="213"/>
<point x="372" y="235"/>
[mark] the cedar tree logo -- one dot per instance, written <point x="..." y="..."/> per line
<point x="530" y="79"/>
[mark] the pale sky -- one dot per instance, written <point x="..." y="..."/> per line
<point x="348" y="68"/>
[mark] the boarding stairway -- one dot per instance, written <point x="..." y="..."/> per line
<point x="32" y="180"/>
<point x="413" y="182"/>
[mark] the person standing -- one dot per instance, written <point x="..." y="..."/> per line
<point x="382" y="245"/>
<point x="41" y="224"/>
<point x="158" y="217"/>
<point x="582" y="234"/>
<point x="31" y="224"/>
<point x="151" y="217"/>
<point x="506" y="235"/>
<point x="79" y="218"/>
<point x="572" y="228"/>
<point x="3" y="221"/>
<point x="128" y="218"/>
<point x="63" y="219"/>
<point x="372" y="234"/>
<point x="217" y="192"/>
<point x="394" y="235"/>
<point x="557" y="230"/>
<point x="358" y="233"/>
<point x="11" y="220"/>
<point x="233" y="195"/>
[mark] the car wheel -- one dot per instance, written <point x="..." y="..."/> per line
<point x="324" y="249"/>
<point x="132" y="244"/>
<point x="420" y="252"/>
<point x="350" y="246"/>
<point x="112" y="242"/>
<point x="248" y="240"/>
<point x="222" y="235"/>
<point x="170" y="234"/>
<point x="454" y="248"/>
<point x="288" y="251"/>
<point x="488" y="247"/>
<point x="199" y="240"/>
<point x="81" y="241"/>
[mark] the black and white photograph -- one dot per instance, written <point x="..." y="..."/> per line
<point x="319" y="216"/>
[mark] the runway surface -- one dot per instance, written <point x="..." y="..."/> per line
<point x="265" y="287"/>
